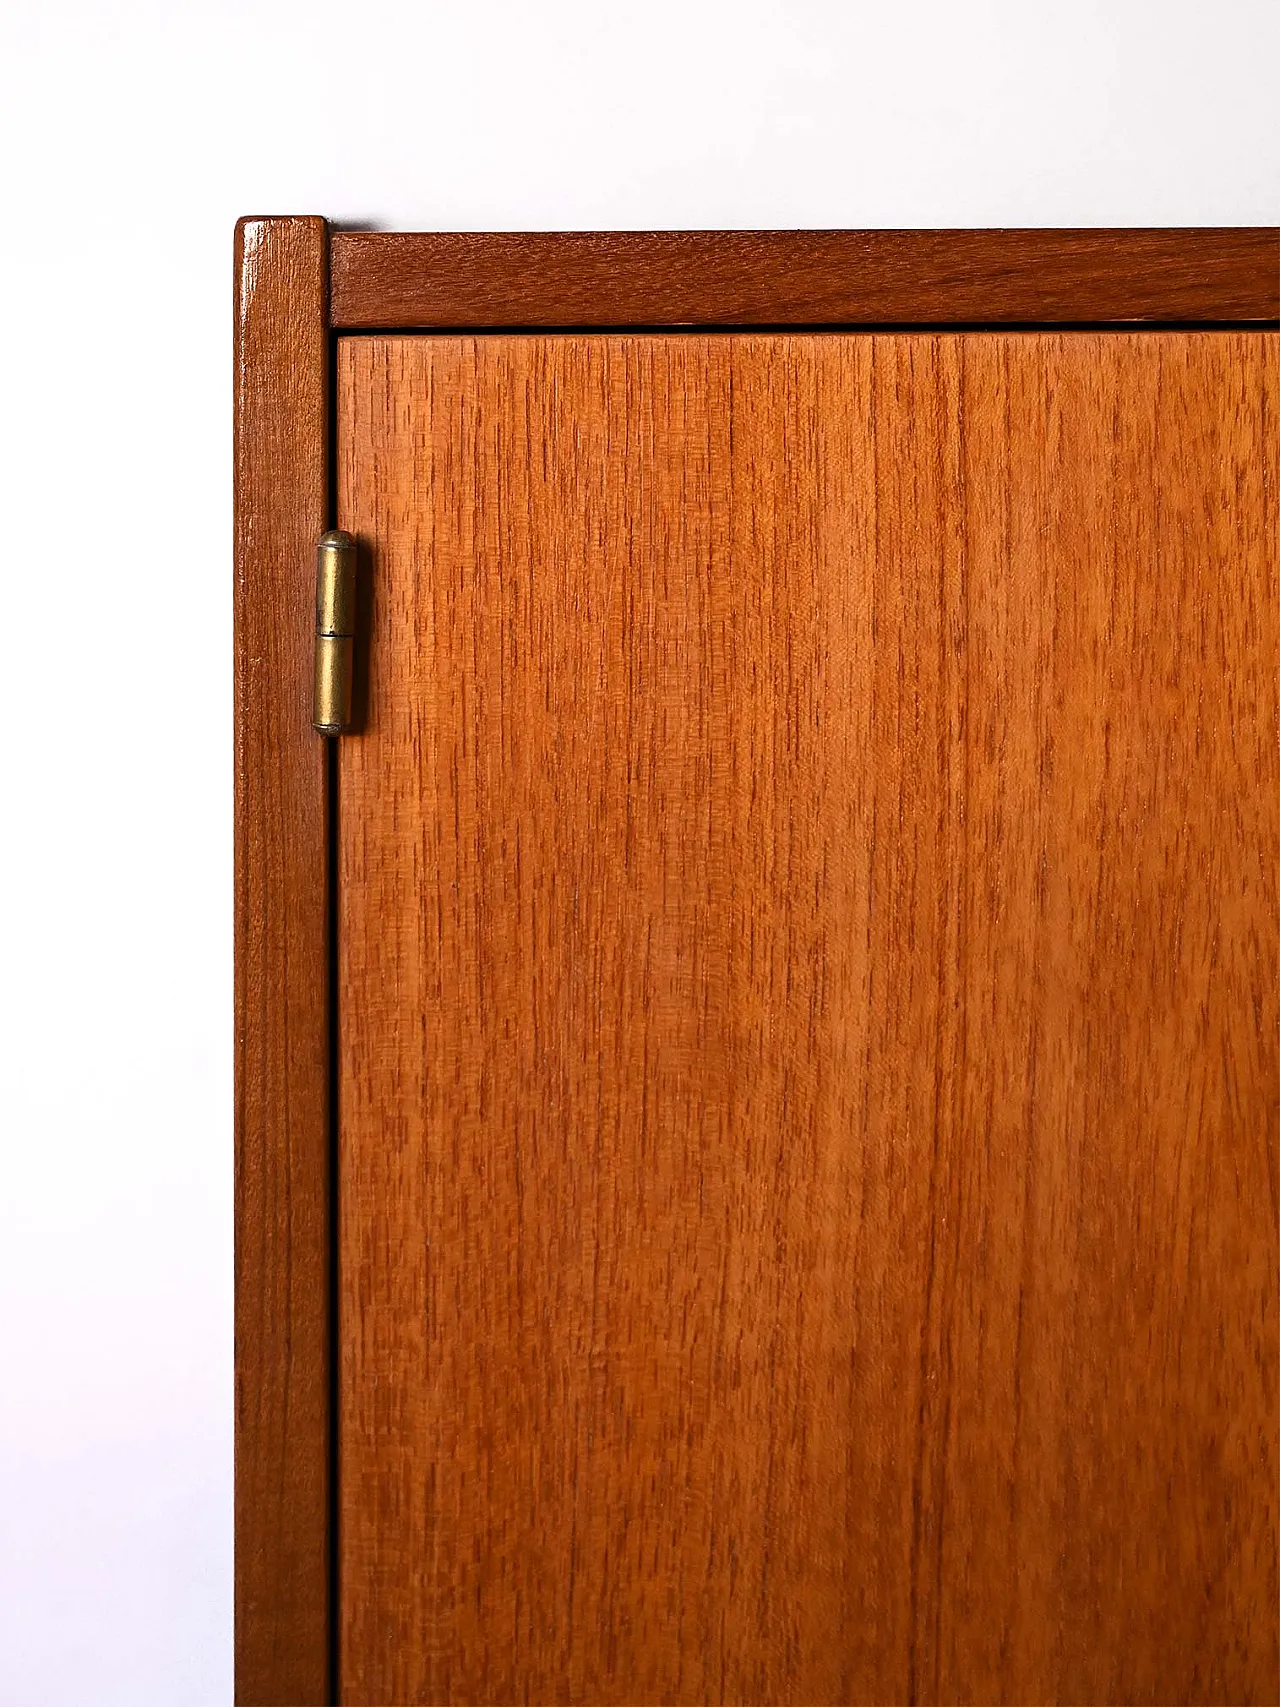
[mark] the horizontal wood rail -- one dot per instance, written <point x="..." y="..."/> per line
<point x="477" y="280"/>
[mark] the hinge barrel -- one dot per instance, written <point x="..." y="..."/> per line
<point x="335" y="631"/>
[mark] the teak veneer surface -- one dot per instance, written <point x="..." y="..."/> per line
<point x="282" y="1161"/>
<point x="809" y="1070"/>
<point x="656" y="278"/>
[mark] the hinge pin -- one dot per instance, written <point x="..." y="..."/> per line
<point x="335" y="631"/>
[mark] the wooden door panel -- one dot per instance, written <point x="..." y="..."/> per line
<point x="808" y="1017"/>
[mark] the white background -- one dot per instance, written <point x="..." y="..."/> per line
<point x="131" y="136"/>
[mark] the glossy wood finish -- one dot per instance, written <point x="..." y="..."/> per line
<point x="809" y="1051"/>
<point x="283" y="1230"/>
<point x="658" y="278"/>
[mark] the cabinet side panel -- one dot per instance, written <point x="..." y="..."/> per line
<point x="281" y="980"/>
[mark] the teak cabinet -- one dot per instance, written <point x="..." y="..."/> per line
<point x="758" y="1082"/>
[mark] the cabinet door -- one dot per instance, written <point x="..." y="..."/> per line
<point x="808" y="1019"/>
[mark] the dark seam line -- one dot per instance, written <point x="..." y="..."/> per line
<point x="726" y="328"/>
<point x="331" y="1137"/>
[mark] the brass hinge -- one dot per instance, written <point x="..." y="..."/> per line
<point x="335" y="631"/>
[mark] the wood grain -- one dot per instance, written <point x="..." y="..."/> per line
<point x="809" y="1070"/>
<point x="281" y="979"/>
<point x="655" y="278"/>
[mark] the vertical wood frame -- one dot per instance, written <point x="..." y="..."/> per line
<point x="287" y="310"/>
<point x="282" y="1175"/>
